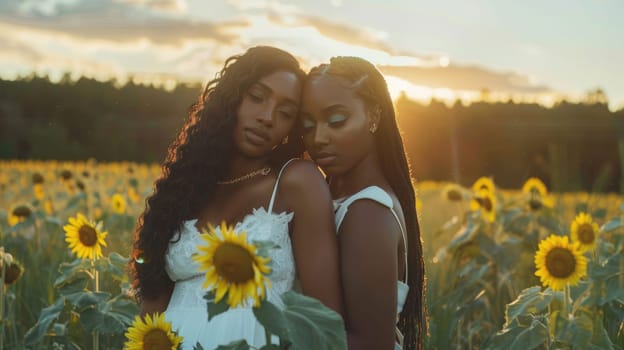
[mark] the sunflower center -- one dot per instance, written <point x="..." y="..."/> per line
<point x="535" y="204"/>
<point x="454" y="195"/>
<point x="37" y="178"/>
<point x="234" y="263"/>
<point x="156" y="339"/>
<point x="22" y="211"/>
<point x="486" y="203"/>
<point x="66" y="174"/>
<point x="88" y="236"/>
<point x="534" y="190"/>
<point x="12" y="273"/>
<point x="586" y="234"/>
<point x="560" y="262"/>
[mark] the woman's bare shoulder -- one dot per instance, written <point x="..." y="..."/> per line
<point x="371" y="221"/>
<point x="302" y="174"/>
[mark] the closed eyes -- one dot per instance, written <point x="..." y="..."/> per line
<point x="335" y="120"/>
<point x="287" y="113"/>
<point x="307" y="124"/>
<point x="256" y="97"/>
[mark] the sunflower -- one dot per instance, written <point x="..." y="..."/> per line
<point x="37" y="178"/>
<point x="66" y="175"/>
<point x="537" y="193"/>
<point x="559" y="262"/>
<point x="453" y="193"/>
<point x="584" y="231"/>
<point x="118" y="203"/>
<point x="39" y="191"/>
<point x="535" y="185"/>
<point x="485" y="201"/>
<point x="19" y="214"/>
<point x="232" y="266"/>
<point x="535" y="202"/>
<point x="97" y="213"/>
<point x="85" y="238"/>
<point x="13" y="268"/>
<point x="153" y="334"/>
<point x="483" y="183"/>
<point x="80" y="185"/>
<point x="133" y="195"/>
<point x="69" y="187"/>
<point x="48" y="207"/>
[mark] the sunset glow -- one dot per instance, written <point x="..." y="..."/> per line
<point x="423" y="51"/>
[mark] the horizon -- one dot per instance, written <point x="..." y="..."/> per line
<point x="120" y="84"/>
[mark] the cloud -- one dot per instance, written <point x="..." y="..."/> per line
<point x="416" y="68"/>
<point x="174" y="6"/>
<point x="342" y="38"/>
<point x="25" y="59"/>
<point x="116" y="22"/>
<point x="341" y="32"/>
<point x="288" y="16"/>
<point x="263" y="5"/>
<point x="465" y="78"/>
<point x="157" y="37"/>
<point x="15" y="50"/>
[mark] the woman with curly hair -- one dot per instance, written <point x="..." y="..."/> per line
<point x="350" y="130"/>
<point x="233" y="162"/>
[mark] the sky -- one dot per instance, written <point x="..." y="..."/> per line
<point x="528" y="50"/>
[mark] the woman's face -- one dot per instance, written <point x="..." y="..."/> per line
<point x="335" y="124"/>
<point x="267" y="113"/>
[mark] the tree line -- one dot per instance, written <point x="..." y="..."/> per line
<point x="571" y="146"/>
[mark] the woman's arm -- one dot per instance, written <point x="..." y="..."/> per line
<point x="368" y="256"/>
<point x="314" y="241"/>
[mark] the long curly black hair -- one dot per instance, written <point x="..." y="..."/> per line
<point x="197" y="159"/>
<point x="371" y="86"/>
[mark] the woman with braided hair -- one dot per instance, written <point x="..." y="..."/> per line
<point x="232" y="162"/>
<point x="350" y="131"/>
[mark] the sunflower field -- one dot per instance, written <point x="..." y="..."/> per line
<point x="507" y="269"/>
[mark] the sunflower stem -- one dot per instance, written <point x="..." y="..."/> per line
<point x="11" y="318"/>
<point x="459" y="334"/>
<point x="621" y="273"/>
<point x="2" y="276"/>
<point x="566" y="301"/>
<point x="548" y="345"/>
<point x="469" y="335"/>
<point x="267" y="336"/>
<point x="96" y="278"/>
<point x="37" y="236"/>
<point x="460" y="212"/>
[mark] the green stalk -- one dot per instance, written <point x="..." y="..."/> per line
<point x="2" y="276"/>
<point x="267" y="336"/>
<point x="548" y="341"/>
<point x="566" y="301"/>
<point x="96" y="277"/>
<point x="459" y="334"/>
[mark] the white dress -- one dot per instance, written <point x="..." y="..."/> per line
<point x="374" y="193"/>
<point x="187" y="310"/>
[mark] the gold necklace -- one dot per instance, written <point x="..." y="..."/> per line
<point x="264" y="171"/>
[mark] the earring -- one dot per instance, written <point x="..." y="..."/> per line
<point x="285" y="140"/>
<point x="373" y="128"/>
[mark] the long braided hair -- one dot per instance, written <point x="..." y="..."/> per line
<point x="197" y="159"/>
<point x="370" y="85"/>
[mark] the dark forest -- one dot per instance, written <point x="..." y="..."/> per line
<point x="571" y="146"/>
